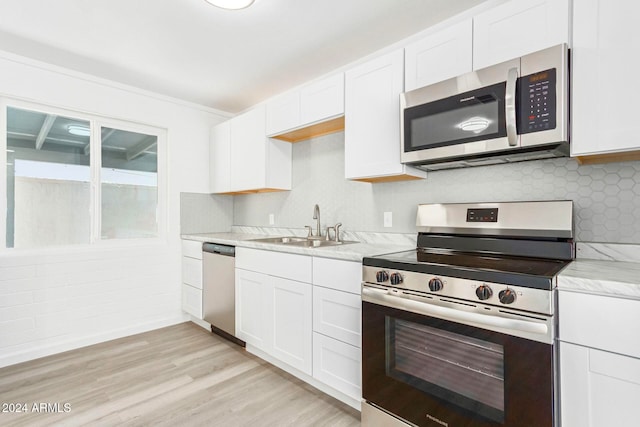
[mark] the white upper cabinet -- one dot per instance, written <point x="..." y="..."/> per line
<point x="244" y="160"/>
<point x="220" y="158"/>
<point x="603" y="116"/>
<point x="322" y="100"/>
<point x="313" y="110"/>
<point x="439" y="56"/>
<point x="519" y="27"/>
<point x="283" y="113"/>
<point x="372" y="121"/>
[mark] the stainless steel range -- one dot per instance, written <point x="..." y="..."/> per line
<point x="461" y="331"/>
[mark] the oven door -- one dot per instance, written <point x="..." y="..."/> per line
<point x="434" y="372"/>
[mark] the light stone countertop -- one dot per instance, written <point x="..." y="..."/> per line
<point x="347" y="251"/>
<point x="595" y="276"/>
<point x="602" y="277"/>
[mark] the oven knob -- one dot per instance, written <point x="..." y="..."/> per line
<point x="396" y="278"/>
<point x="484" y="292"/>
<point x="382" y="276"/>
<point x="507" y="296"/>
<point x="435" y="284"/>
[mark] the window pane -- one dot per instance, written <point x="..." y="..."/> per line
<point x="129" y="178"/>
<point x="48" y="176"/>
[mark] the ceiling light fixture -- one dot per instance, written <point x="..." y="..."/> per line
<point x="231" y="4"/>
<point x="474" y="124"/>
<point x="79" y="130"/>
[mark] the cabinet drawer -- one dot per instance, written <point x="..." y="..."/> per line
<point x="192" y="300"/>
<point x="192" y="249"/>
<point x="336" y="274"/>
<point x="338" y="365"/>
<point x="606" y="323"/>
<point x="337" y="314"/>
<point x="192" y="272"/>
<point x="279" y="264"/>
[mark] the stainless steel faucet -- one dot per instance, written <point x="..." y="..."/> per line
<point x="316" y="216"/>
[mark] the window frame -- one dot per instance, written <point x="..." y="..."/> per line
<point x="96" y="122"/>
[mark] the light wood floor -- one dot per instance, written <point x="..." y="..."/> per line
<point x="177" y="376"/>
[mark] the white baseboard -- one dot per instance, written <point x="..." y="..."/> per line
<point x="48" y="350"/>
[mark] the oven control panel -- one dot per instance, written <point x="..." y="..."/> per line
<point x="516" y="297"/>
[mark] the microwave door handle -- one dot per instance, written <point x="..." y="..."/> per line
<point x="510" y="107"/>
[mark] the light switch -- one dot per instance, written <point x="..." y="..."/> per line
<point x="388" y="219"/>
<point x="272" y="219"/>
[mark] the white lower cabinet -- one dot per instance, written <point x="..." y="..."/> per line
<point x="599" y="360"/>
<point x="192" y="278"/>
<point x="599" y="388"/>
<point x="337" y="314"/>
<point x="251" y="310"/>
<point x="337" y="325"/>
<point x="338" y="365"/>
<point x="290" y="303"/>
<point x="289" y="319"/>
<point x="192" y="300"/>
<point x="273" y="313"/>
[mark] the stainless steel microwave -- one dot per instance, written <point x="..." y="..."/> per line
<point x="512" y="111"/>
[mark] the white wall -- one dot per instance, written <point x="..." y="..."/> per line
<point x="605" y="196"/>
<point x="57" y="299"/>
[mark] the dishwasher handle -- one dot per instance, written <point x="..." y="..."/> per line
<point x="214" y="248"/>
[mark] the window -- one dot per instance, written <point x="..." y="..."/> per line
<point x="74" y="180"/>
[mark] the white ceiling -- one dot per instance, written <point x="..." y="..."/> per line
<point x="228" y="60"/>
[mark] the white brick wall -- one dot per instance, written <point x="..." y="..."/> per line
<point x="57" y="299"/>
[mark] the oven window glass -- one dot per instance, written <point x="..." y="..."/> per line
<point x="462" y="370"/>
<point x="472" y="116"/>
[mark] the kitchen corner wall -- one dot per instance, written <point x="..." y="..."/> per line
<point x="606" y="197"/>
<point x="205" y="213"/>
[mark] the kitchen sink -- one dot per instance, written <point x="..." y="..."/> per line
<point x="300" y="241"/>
<point x="286" y="239"/>
<point x="318" y="243"/>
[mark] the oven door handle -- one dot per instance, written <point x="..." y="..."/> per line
<point x="386" y="298"/>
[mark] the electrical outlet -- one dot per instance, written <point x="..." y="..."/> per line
<point x="272" y="219"/>
<point x="388" y="219"/>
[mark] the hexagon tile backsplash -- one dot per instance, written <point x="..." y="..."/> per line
<point x="606" y="197"/>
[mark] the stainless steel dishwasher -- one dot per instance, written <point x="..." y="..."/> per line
<point x="219" y="292"/>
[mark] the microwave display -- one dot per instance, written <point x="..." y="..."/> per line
<point x="537" y="96"/>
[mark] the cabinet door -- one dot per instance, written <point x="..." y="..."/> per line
<point x="192" y="300"/>
<point x="598" y="388"/>
<point x="290" y="304"/>
<point x="322" y="100"/>
<point x="252" y="312"/>
<point x="248" y="150"/>
<point x="372" y="118"/>
<point x="603" y="117"/>
<point x="220" y="158"/>
<point x="192" y="272"/>
<point x="283" y="113"/>
<point x="337" y="314"/>
<point x="338" y="365"/>
<point x="440" y="56"/>
<point x="519" y="27"/>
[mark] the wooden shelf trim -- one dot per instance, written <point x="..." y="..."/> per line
<point x="314" y="130"/>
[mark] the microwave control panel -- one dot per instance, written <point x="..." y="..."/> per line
<point x="537" y="97"/>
